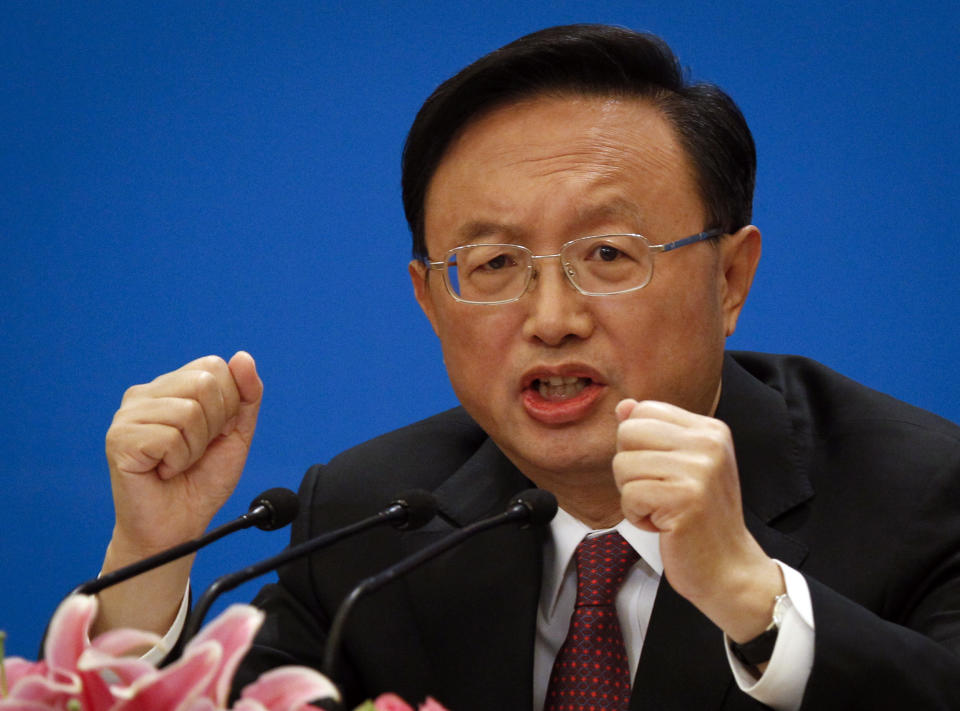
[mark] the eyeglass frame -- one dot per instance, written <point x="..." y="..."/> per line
<point x="531" y="273"/>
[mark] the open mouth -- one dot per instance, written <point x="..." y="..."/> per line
<point x="556" y="399"/>
<point x="559" y="387"/>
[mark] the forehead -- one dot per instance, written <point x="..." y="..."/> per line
<point x="576" y="159"/>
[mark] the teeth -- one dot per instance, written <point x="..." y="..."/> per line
<point x="559" y="387"/>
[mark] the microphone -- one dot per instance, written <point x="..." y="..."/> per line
<point x="273" y="509"/>
<point x="409" y="511"/>
<point x="533" y="507"/>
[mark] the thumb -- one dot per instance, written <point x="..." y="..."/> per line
<point x="244" y="371"/>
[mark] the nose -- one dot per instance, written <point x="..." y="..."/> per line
<point x="556" y="312"/>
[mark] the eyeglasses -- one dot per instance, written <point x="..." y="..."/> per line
<point x="599" y="265"/>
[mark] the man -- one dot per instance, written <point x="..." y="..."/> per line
<point x="798" y="545"/>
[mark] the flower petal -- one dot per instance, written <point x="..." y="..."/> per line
<point x="234" y="630"/>
<point x="95" y="694"/>
<point x="431" y="704"/>
<point x="253" y="705"/>
<point x="248" y="705"/>
<point x="180" y="683"/>
<point x="18" y="667"/>
<point x="124" y="641"/>
<point x="45" y="689"/>
<point x="199" y="703"/>
<point x="391" y="702"/>
<point x="289" y="688"/>
<point x="126" y="669"/>
<point x="20" y="705"/>
<point x="69" y="630"/>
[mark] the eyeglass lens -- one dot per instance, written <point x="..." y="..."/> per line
<point x="606" y="264"/>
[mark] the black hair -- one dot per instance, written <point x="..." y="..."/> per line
<point x="590" y="60"/>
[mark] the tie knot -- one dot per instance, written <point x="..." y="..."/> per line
<point x="602" y="564"/>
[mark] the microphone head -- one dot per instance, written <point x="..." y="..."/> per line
<point x="277" y="507"/>
<point x="540" y="504"/>
<point x="419" y="506"/>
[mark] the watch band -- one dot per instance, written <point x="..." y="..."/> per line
<point x="759" y="649"/>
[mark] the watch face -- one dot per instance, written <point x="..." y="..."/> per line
<point x="780" y="606"/>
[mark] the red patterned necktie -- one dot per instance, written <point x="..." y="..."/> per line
<point x="591" y="671"/>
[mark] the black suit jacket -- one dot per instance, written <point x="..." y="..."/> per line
<point x="858" y="491"/>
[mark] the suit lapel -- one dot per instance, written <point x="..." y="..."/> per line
<point x="683" y="664"/>
<point x="772" y="451"/>
<point x="476" y="605"/>
<point x="772" y="455"/>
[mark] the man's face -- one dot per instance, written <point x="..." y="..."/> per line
<point x="542" y="375"/>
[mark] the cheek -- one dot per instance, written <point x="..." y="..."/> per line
<point x="686" y="302"/>
<point x="667" y="345"/>
<point x="475" y="340"/>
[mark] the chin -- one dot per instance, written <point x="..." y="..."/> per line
<point x="565" y="453"/>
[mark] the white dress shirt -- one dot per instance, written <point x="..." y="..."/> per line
<point x="781" y="685"/>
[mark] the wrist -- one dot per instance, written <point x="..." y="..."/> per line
<point x="743" y="606"/>
<point x="128" y="546"/>
<point x="148" y="601"/>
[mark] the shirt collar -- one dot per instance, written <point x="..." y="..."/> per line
<point x="566" y="533"/>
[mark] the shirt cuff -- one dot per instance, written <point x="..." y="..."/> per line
<point x="783" y="681"/>
<point x="158" y="652"/>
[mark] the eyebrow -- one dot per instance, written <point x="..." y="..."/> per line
<point x="478" y="229"/>
<point x="615" y="208"/>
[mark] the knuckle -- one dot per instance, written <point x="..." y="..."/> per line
<point x="120" y="438"/>
<point x="121" y="460"/>
<point x="629" y="431"/>
<point x="644" y="408"/>
<point x="621" y="465"/>
<point x="628" y="463"/>
<point x="631" y="492"/>
<point x="132" y="393"/>
<point x="193" y="416"/>
<point x="718" y="428"/>
<point x="716" y="444"/>
<point x="112" y="440"/>
<point x="697" y="489"/>
<point x="212" y="363"/>
<point x="169" y="438"/>
<point x="703" y="462"/>
<point x="714" y="441"/>
<point x="205" y="383"/>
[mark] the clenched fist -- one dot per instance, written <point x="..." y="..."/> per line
<point x="176" y="449"/>
<point x="677" y="476"/>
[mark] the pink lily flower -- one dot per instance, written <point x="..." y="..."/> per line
<point x="200" y="679"/>
<point x="76" y="674"/>
<point x="63" y="676"/>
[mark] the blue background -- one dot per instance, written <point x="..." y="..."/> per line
<point x="184" y="178"/>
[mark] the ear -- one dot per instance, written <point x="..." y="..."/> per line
<point x="421" y="290"/>
<point x="740" y="254"/>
